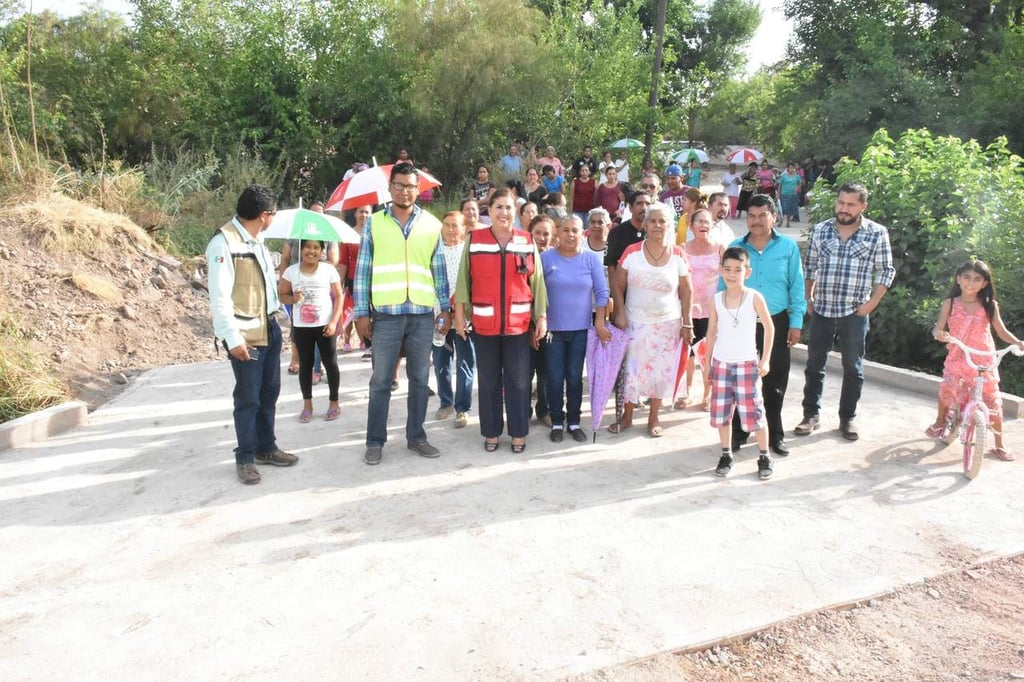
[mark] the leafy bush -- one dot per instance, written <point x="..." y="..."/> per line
<point x="944" y="200"/>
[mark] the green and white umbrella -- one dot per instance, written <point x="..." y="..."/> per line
<point x="687" y="155"/>
<point x="626" y="143"/>
<point x="300" y="223"/>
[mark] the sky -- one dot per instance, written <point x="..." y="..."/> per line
<point x="767" y="47"/>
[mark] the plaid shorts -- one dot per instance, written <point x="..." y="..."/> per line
<point x="736" y="385"/>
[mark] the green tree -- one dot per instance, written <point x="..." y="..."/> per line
<point x="707" y="44"/>
<point x="599" y="88"/>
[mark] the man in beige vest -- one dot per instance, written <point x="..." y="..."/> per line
<point x="244" y="305"/>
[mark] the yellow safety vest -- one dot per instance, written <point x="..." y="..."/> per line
<point x="401" y="266"/>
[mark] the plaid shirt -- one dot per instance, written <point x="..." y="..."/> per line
<point x="845" y="272"/>
<point x="362" y="281"/>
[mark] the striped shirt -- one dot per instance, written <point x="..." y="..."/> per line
<point x="361" y="282"/>
<point x="845" y="272"/>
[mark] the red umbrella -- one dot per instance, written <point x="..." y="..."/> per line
<point x="369" y="187"/>
<point x="745" y="155"/>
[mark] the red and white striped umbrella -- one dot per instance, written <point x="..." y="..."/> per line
<point x="745" y="155"/>
<point x="369" y="187"/>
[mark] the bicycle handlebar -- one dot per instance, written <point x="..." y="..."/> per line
<point x="996" y="355"/>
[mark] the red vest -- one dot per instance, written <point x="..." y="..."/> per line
<point x="499" y="283"/>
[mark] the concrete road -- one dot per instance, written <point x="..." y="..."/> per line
<point x="130" y="550"/>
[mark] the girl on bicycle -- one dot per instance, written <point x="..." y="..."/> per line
<point x="971" y="312"/>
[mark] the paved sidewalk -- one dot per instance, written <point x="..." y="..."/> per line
<point x="132" y="552"/>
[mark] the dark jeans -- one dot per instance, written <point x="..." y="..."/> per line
<point x="773" y="384"/>
<point x="389" y="332"/>
<point x="565" y="353"/>
<point x="464" y="356"/>
<point x="257" y="386"/>
<point x="849" y="334"/>
<point x="540" y="367"/>
<point x="503" y="375"/>
<point x="307" y="341"/>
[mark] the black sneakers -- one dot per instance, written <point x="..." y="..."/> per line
<point x="764" y="467"/>
<point x="724" y="465"/>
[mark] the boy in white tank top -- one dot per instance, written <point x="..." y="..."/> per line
<point x="735" y="367"/>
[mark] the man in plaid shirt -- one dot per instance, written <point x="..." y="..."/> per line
<point x="847" y="270"/>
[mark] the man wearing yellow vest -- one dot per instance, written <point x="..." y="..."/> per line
<point x="244" y="305"/>
<point x="400" y="277"/>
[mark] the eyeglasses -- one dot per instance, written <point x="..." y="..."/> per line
<point x="647" y="186"/>
<point x="401" y="187"/>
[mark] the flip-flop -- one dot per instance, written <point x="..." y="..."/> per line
<point x="1002" y="453"/>
<point x="655" y="431"/>
<point x="332" y="414"/>
<point x="305" y="416"/>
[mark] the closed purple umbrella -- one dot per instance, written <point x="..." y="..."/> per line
<point x="603" y="363"/>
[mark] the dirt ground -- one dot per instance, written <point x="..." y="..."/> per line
<point x="101" y="312"/>
<point x="104" y="320"/>
<point x="966" y="625"/>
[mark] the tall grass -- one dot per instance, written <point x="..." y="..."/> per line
<point x="27" y="381"/>
<point x="204" y="209"/>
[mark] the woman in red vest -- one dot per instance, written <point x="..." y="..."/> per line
<point x="500" y="291"/>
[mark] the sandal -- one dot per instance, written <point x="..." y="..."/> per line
<point x="491" y="445"/>
<point x="305" y="416"/>
<point x="317" y="378"/>
<point x="655" y="431"/>
<point x="935" y="430"/>
<point x="681" y="404"/>
<point x="332" y="414"/>
<point x="706" y="405"/>
<point x="1002" y="453"/>
<point x="293" y="369"/>
<point x="518" y="448"/>
<point x="619" y="427"/>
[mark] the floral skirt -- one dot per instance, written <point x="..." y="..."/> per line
<point x="652" y="360"/>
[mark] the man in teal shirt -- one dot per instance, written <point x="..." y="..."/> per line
<point x="778" y="275"/>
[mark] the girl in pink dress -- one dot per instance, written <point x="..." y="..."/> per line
<point x="971" y="312"/>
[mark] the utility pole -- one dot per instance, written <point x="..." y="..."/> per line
<point x="652" y="101"/>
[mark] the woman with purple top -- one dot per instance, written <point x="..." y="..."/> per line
<point x="576" y="283"/>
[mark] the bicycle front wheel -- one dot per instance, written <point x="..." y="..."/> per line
<point x="975" y="434"/>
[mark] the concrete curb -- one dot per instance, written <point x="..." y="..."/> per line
<point x="41" y="425"/>
<point x="902" y="379"/>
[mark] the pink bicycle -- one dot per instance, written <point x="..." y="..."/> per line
<point x="974" y="415"/>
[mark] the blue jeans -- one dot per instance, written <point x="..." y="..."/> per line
<point x="389" y="334"/>
<point x="850" y="334"/>
<point x="257" y="386"/>
<point x="455" y="347"/>
<point x="565" y="353"/>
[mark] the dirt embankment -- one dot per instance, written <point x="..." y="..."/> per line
<point x="97" y="296"/>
